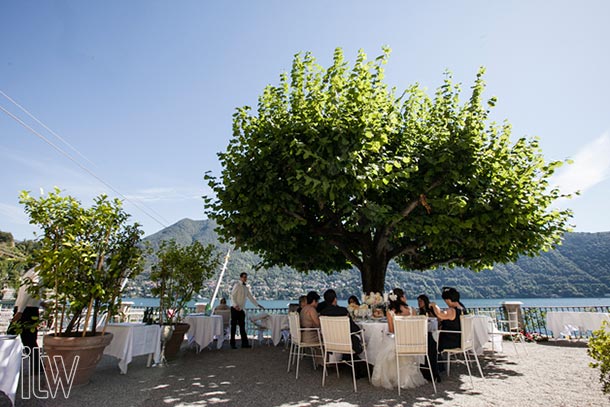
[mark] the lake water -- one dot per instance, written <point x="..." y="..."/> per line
<point x="469" y="303"/>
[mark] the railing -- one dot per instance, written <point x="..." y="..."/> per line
<point x="533" y="318"/>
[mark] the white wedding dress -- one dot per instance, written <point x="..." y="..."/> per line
<point x="384" y="372"/>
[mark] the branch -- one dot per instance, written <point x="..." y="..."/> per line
<point x="347" y="253"/>
<point x="385" y="233"/>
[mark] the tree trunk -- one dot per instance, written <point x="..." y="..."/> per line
<point x="373" y="274"/>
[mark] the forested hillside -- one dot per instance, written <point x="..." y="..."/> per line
<point x="578" y="268"/>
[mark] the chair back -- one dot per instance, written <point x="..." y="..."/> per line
<point x="294" y="324"/>
<point x="513" y="321"/>
<point x="411" y="334"/>
<point x="225" y="314"/>
<point x="467" y="324"/>
<point x="336" y="334"/>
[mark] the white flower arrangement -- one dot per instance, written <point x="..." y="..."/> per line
<point x="373" y="299"/>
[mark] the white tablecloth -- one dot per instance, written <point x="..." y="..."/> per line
<point x="277" y="323"/>
<point x="563" y="323"/>
<point x="134" y="339"/>
<point x="373" y="336"/>
<point x="203" y="329"/>
<point x="482" y="325"/>
<point x="10" y="365"/>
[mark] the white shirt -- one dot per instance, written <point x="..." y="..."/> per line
<point x="239" y="294"/>
<point x="24" y="298"/>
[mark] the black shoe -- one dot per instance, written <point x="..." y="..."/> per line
<point x="233" y="347"/>
<point x="246" y="346"/>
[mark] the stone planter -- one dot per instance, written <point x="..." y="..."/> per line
<point x="88" y="348"/>
<point x="173" y="344"/>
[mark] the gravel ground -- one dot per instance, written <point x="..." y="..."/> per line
<point x="552" y="374"/>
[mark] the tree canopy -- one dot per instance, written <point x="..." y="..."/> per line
<point x="335" y="170"/>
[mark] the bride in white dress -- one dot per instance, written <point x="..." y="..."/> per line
<point x="384" y="372"/>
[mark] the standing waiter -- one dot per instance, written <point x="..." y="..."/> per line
<point x="240" y="292"/>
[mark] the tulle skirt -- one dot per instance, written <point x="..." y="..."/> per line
<point x="384" y="372"/>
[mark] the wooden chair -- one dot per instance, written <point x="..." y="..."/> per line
<point x="466" y="346"/>
<point x="337" y="338"/>
<point x="411" y="338"/>
<point x="297" y="344"/>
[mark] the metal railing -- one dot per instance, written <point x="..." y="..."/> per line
<point x="533" y="318"/>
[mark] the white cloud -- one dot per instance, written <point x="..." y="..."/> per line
<point x="591" y="166"/>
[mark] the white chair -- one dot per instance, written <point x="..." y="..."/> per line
<point x="337" y="338"/>
<point x="226" y="321"/>
<point x="511" y="326"/>
<point x="297" y="344"/>
<point x="467" y="345"/>
<point x="492" y="330"/>
<point x="411" y="338"/>
<point x="261" y="325"/>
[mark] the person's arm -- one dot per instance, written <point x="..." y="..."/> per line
<point x="314" y="317"/>
<point x="234" y="292"/>
<point x="391" y="321"/>
<point x="442" y="314"/>
<point x="252" y="299"/>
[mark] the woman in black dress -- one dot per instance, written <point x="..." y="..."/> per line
<point x="449" y="319"/>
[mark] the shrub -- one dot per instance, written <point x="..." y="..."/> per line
<point x="599" y="349"/>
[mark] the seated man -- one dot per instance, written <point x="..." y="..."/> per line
<point x="333" y="310"/>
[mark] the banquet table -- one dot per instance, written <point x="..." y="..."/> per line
<point x="10" y="364"/>
<point x="277" y="324"/>
<point x="203" y="329"/>
<point x="134" y="339"/>
<point x="563" y="323"/>
<point x="484" y="328"/>
<point x="375" y="330"/>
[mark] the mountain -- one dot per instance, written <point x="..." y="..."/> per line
<point x="580" y="267"/>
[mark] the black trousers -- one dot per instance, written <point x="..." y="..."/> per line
<point x="238" y="318"/>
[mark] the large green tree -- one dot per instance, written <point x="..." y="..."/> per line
<point x="335" y="170"/>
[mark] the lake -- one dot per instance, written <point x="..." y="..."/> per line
<point x="468" y="302"/>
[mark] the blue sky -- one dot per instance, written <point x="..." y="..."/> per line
<point x="145" y="90"/>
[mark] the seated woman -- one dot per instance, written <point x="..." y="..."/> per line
<point x="353" y="300"/>
<point x="449" y="319"/>
<point x="423" y="302"/>
<point x="384" y="373"/>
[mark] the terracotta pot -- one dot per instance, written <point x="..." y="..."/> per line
<point x="173" y="345"/>
<point x="88" y="348"/>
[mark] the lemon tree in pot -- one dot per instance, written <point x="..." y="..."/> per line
<point x="84" y="257"/>
<point x="179" y="274"/>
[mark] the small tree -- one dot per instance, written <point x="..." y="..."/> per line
<point x="179" y="274"/>
<point x="335" y="171"/>
<point x="599" y="349"/>
<point x="84" y="257"/>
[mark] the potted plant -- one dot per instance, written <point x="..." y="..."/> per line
<point x="179" y="274"/>
<point x="84" y="258"/>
